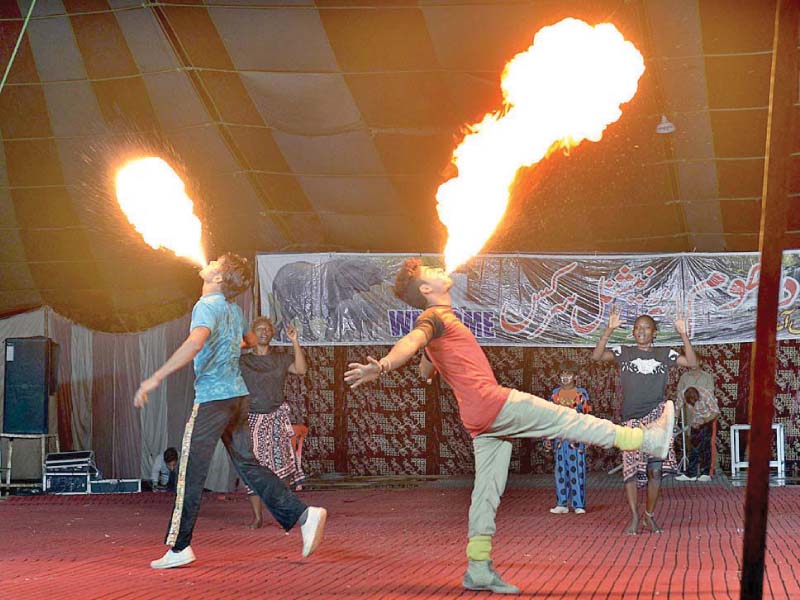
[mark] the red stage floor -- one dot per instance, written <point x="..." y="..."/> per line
<point x="396" y="543"/>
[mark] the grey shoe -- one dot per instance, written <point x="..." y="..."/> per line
<point x="658" y="435"/>
<point x="481" y="575"/>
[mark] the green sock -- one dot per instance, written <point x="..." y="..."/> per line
<point x="628" y="438"/>
<point x="479" y="547"/>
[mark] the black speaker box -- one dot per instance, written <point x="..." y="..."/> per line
<point x="31" y="367"/>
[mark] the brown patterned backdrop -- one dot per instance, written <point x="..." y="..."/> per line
<point x="402" y="426"/>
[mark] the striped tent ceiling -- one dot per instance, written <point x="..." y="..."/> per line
<point x="327" y="125"/>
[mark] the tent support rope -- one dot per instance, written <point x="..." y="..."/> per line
<point x="16" y="47"/>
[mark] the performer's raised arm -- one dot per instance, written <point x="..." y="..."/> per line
<point x="400" y="354"/>
<point x="600" y="354"/>
<point x="688" y="358"/>
<point x="300" y="365"/>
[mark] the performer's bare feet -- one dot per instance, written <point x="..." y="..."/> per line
<point x="650" y="521"/>
<point x="633" y="526"/>
<point x="258" y="512"/>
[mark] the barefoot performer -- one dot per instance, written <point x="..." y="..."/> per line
<point x="644" y="371"/>
<point x="264" y="373"/>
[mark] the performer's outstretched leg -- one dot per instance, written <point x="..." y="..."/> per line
<point x="526" y="415"/>
<point x="279" y="500"/>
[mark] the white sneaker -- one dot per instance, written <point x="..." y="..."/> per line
<point x="174" y="559"/>
<point x="559" y="510"/>
<point x="658" y="435"/>
<point x="313" y="529"/>
<point x="580" y="511"/>
<point x="704" y="478"/>
<point x="684" y="477"/>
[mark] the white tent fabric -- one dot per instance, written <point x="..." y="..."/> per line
<point x="98" y="373"/>
<point x="153" y="417"/>
<point x="81" y="386"/>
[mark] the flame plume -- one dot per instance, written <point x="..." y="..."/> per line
<point x="154" y="199"/>
<point x="565" y="88"/>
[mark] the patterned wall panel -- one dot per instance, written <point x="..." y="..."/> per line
<point x="386" y="421"/>
<point x="311" y="400"/>
<point x="386" y="426"/>
<point x="787" y="402"/>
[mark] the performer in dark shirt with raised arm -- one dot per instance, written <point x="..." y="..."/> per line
<point x="264" y="373"/>
<point x="644" y="370"/>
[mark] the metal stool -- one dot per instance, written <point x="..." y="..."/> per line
<point x="5" y="467"/>
<point x="736" y="460"/>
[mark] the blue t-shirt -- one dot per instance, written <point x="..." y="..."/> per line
<point x="216" y="366"/>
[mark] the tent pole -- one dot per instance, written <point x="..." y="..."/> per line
<point x="774" y="210"/>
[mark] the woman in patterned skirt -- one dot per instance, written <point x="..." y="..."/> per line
<point x="264" y="372"/>
<point x="644" y="370"/>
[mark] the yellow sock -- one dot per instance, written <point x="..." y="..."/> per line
<point x="479" y="547"/>
<point x="628" y="438"/>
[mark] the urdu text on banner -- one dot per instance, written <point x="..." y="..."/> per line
<point x="527" y="300"/>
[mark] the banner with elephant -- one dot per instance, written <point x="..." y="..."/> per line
<point x="527" y="300"/>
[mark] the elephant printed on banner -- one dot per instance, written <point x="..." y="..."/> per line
<point x="329" y="300"/>
<point x="295" y="291"/>
<point x="348" y="313"/>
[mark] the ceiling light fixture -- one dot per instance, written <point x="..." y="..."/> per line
<point x="665" y="126"/>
